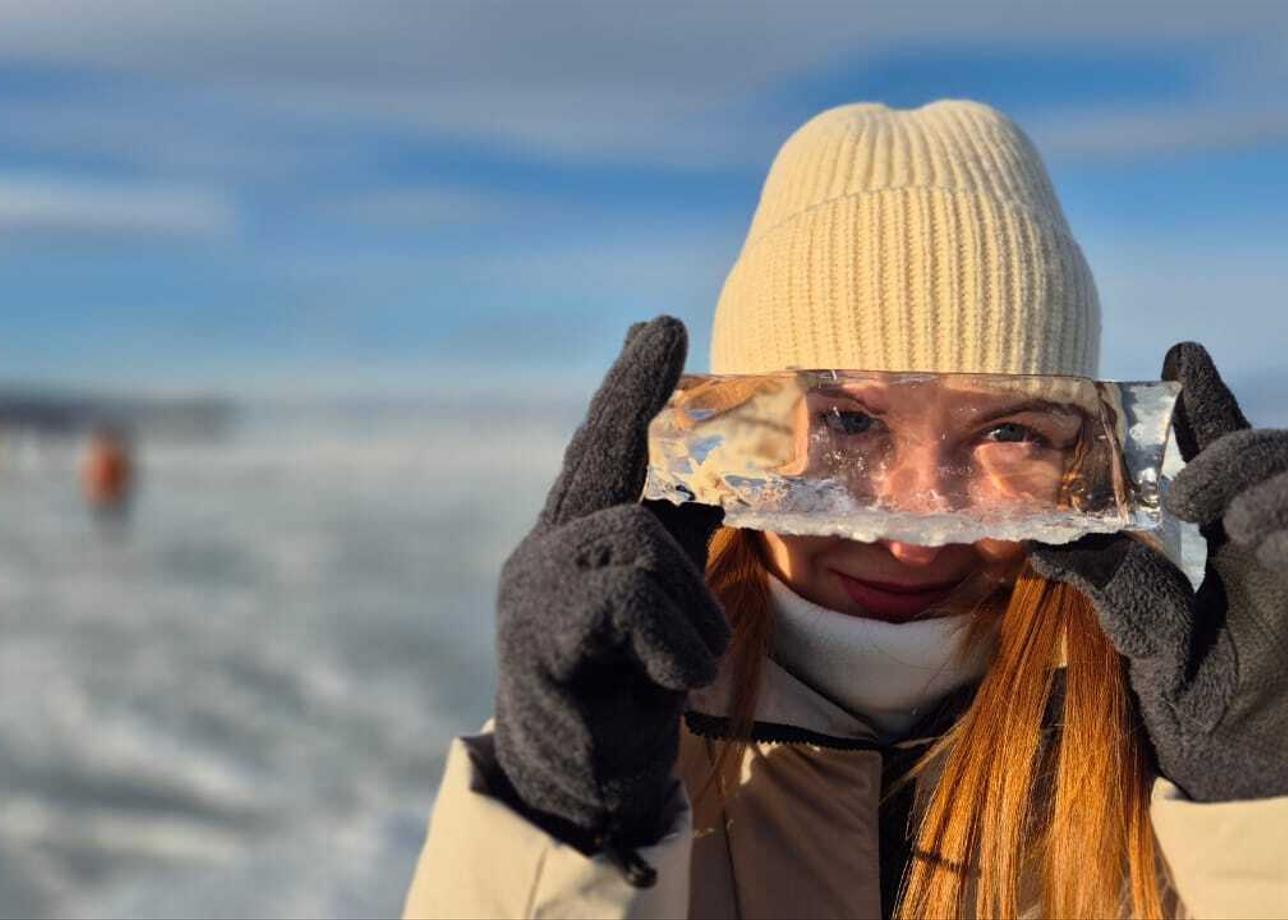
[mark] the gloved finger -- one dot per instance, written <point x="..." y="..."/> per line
<point x="700" y="608"/>
<point x="559" y="589"/>
<point x="1143" y="601"/>
<point x="576" y="615"/>
<point x="1093" y="559"/>
<point x="1273" y="551"/>
<point x="662" y="557"/>
<point x="1207" y="409"/>
<point x="1259" y="511"/>
<point x="578" y="622"/>
<point x="549" y="619"/>
<point x="627" y="541"/>
<point x="634" y="330"/>
<point x="1203" y="491"/>
<point x="670" y="649"/>
<point x="607" y="459"/>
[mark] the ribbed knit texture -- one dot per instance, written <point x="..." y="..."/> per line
<point x="922" y="239"/>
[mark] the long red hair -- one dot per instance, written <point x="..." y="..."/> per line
<point x="1011" y="806"/>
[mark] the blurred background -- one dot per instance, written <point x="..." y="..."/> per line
<point x="301" y="300"/>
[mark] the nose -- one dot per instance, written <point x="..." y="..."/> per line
<point x="916" y="480"/>
<point x="910" y="553"/>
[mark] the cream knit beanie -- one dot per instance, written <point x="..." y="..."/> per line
<point x="922" y="239"/>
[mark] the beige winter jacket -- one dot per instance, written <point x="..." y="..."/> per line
<point x="798" y="833"/>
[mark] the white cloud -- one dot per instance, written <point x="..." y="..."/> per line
<point x="603" y="81"/>
<point x="384" y="43"/>
<point x="1146" y="132"/>
<point x="63" y="206"/>
<point x="165" y="132"/>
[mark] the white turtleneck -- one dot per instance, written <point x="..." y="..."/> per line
<point x="888" y="673"/>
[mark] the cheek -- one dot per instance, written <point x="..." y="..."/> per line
<point x="794" y="556"/>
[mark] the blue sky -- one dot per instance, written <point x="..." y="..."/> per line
<point x="357" y="198"/>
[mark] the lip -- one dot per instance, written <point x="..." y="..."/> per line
<point x="893" y="601"/>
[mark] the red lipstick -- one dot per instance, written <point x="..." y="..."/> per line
<point x="892" y="601"/>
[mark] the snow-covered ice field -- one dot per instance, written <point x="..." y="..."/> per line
<point x="237" y="705"/>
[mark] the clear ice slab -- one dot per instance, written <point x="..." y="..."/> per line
<point x="916" y="457"/>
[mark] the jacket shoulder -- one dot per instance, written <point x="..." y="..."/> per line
<point x="482" y="858"/>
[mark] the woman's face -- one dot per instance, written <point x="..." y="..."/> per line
<point x="933" y="446"/>
<point x="888" y="580"/>
<point x="938" y="445"/>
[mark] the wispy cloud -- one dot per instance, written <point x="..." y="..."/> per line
<point x="65" y="206"/>
<point x="595" y="82"/>
<point x="1142" y="133"/>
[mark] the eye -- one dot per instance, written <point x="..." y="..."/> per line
<point x="847" y="421"/>
<point x="1013" y="433"/>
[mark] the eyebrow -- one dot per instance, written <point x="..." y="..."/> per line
<point x="1043" y="406"/>
<point x="834" y="392"/>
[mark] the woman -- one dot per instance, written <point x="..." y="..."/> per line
<point x="698" y="721"/>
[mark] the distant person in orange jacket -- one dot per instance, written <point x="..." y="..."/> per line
<point x="108" y="472"/>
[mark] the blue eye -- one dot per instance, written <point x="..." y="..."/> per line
<point x="847" y="421"/>
<point x="1012" y="433"/>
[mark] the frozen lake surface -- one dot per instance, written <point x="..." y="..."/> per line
<point x="237" y="704"/>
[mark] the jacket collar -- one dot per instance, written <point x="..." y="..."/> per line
<point x="790" y="711"/>
<point x="782" y="700"/>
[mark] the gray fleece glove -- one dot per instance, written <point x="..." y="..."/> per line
<point x="605" y="622"/>
<point x="1210" y="670"/>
